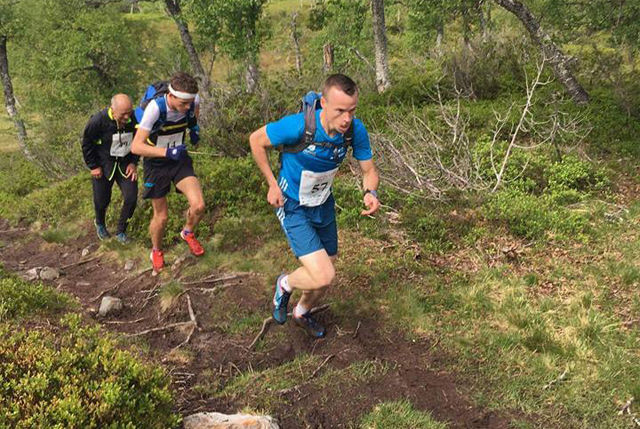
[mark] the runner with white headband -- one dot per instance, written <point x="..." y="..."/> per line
<point x="160" y="140"/>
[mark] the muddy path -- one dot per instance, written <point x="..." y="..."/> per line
<point x="339" y="379"/>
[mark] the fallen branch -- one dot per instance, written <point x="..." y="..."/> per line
<point x="113" y="289"/>
<point x="12" y="230"/>
<point x="78" y="263"/>
<point x="194" y="325"/>
<point x="161" y="328"/>
<point x="267" y="322"/>
<point x="211" y="289"/>
<point x="210" y="280"/>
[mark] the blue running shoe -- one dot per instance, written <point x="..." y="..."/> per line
<point x="280" y="302"/>
<point x="101" y="230"/>
<point x="122" y="238"/>
<point x="311" y="325"/>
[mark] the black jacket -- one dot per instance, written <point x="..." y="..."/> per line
<point x="99" y="135"/>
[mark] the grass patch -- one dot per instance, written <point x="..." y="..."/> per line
<point x="399" y="414"/>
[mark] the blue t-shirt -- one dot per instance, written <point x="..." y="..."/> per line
<point x="314" y="159"/>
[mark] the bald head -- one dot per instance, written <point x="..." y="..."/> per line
<point x="121" y="108"/>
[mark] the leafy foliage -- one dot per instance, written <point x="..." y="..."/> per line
<point x="19" y="298"/>
<point x="78" y="378"/>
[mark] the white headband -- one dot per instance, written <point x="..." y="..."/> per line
<point x="180" y="94"/>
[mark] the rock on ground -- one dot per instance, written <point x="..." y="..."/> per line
<point x="109" y="305"/>
<point x="224" y="421"/>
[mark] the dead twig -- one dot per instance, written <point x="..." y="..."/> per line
<point x="561" y="377"/>
<point x="266" y="323"/>
<point x="626" y="408"/>
<point x="123" y="322"/>
<point x="355" y="333"/>
<point x="321" y="365"/>
<point x="80" y="262"/>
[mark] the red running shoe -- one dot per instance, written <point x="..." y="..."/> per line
<point x="157" y="260"/>
<point x="194" y="245"/>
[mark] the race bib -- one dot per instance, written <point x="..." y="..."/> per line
<point x="315" y="188"/>
<point x="121" y="144"/>
<point x="170" y="140"/>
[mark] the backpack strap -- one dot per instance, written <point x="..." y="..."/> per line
<point x="162" y="118"/>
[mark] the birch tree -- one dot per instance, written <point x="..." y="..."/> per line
<point x="383" y="81"/>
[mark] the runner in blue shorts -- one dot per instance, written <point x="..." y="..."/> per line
<point x="302" y="192"/>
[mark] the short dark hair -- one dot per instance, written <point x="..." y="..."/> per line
<point x="184" y="82"/>
<point x="342" y="82"/>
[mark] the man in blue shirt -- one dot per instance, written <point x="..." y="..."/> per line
<point x="302" y="192"/>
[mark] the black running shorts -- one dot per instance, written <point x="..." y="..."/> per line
<point x="157" y="179"/>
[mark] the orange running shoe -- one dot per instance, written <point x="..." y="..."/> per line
<point x="157" y="260"/>
<point x="194" y="245"/>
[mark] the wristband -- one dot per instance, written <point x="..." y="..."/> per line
<point x="372" y="192"/>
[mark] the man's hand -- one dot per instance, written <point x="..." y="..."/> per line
<point x="176" y="153"/>
<point x="274" y="196"/>
<point x="131" y="172"/>
<point x="96" y="173"/>
<point x="372" y="204"/>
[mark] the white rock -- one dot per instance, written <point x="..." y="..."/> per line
<point x="109" y="304"/>
<point x="48" y="273"/>
<point x="224" y="421"/>
<point x="32" y="274"/>
<point x="85" y="252"/>
<point x="129" y="264"/>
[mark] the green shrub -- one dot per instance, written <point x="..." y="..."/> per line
<point x="78" y="379"/>
<point x="19" y="298"/>
<point x="18" y="176"/>
<point x="575" y="174"/>
<point x="532" y="216"/>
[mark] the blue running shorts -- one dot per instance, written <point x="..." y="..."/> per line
<point x="309" y="229"/>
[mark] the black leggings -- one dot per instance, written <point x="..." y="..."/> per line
<point x="102" y="197"/>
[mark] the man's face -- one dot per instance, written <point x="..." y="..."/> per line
<point x="122" y="113"/>
<point x="339" y="109"/>
<point x="179" y="104"/>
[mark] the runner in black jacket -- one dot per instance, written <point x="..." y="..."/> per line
<point x="106" y="147"/>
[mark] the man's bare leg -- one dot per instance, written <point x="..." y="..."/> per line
<point x="159" y="221"/>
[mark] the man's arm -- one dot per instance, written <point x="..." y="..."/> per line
<point x="140" y="147"/>
<point x="259" y="142"/>
<point x="89" y="150"/>
<point x="370" y="181"/>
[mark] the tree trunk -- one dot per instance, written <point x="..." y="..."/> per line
<point x="380" y="41"/>
<point x="9" y="99"/>
<point x="296" y="43"/>
<point x="559" y="62"/>
<point x="173" y="8"/>
<point x="439" y="36"/>
<point x="327" y="57"/>
<point x="135" y="6"/>
<point x="251" y="76"/>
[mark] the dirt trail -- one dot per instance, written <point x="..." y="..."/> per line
<point x="218" y="355"/>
